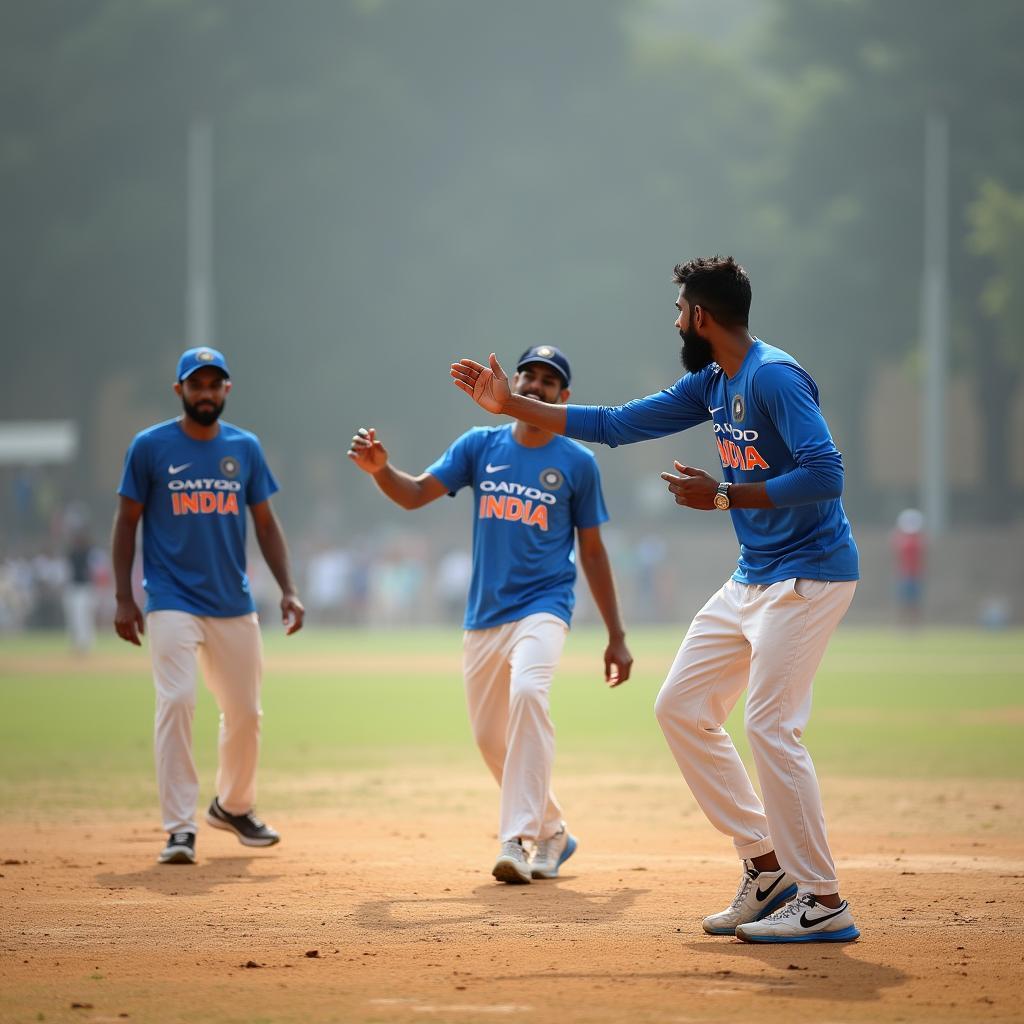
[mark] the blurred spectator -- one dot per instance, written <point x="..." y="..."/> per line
<point x="452" y="583"/>
<point x="80" y="591"/>
<point x="908" y="544"/>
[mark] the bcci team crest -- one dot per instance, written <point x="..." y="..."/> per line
<point x="229" y="467"/>
<point x="738" y="409"/>
<point x="551" y="479"/>
<point x="205" y="356"/>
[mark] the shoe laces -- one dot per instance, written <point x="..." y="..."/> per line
<point x="797" y="906"/>
<point x="253" y="820"/>
<point x="745" y="883"/>
<point x="513" y="848"/>
<point x="180" y="839"/>
<point x="543" y="850"/>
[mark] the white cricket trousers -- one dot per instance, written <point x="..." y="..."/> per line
<point x="230" y="652"/>
<point x="770" y="638"/>
<point x="508" y="671"/>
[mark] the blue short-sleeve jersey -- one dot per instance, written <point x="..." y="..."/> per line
<point x="194" y="496"/>
<point x="768" y="427"/>
<point x="527" y="504"/>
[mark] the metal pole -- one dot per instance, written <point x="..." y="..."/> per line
<point x="199" y="270"/>
<point x="935" y="325"/>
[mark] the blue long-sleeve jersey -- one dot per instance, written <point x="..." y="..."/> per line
<point x="768" y="427"/>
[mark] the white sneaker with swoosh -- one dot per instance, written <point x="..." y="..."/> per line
<point x="759" y="893"/>
<point x="803" y="920"/>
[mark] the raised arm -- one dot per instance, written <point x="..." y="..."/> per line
<point x="488" y="386"/>
<point x="402" y="488"/>
<point x="128" y="620"/>
<point x="270" y="538"/>
<point x="618" y="662"/>
<point x="665" y="412"/>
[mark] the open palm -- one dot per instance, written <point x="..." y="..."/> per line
<point x="487" y="385"/>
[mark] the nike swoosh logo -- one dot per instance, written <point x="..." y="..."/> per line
<point x="767" y="892"/>
<point x="716" y="409"/>
<point x="497" y="469"/>
<point x="810" y="923"/>
<point x="177" y="469"/>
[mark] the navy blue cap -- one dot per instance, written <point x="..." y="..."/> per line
<point x="547" y="354"/>
<point x="196" y="358"/>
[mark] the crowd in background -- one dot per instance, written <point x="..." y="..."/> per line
<point x="388" y="578"/>
<point x="61" y="579"/>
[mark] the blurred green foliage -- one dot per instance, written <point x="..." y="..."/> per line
<point x="401" y="182"/>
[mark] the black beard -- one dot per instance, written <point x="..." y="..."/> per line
<point x="696" y="351"/>
<point x="206" y="416"/>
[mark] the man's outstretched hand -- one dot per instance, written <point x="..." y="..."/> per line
<point x="487" y="386"/>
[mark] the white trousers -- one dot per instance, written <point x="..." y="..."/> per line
<point x="508" y="671"/>
<point x="230" y="652"/>
<point x="770" y="639"/>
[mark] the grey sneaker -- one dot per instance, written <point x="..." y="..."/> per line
<point x="512" y="865"/>
<point x="550" y="854"/>
<point x="759" y="893"/>
<point x="803" y="920"/>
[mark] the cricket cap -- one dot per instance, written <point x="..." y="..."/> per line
<point x="547" y="354"/>
<point x="196" y="358"/>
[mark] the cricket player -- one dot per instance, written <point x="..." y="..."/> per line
<point x="534" y="495"/>
<point x="766" y="629"/>
<point x="190" y="480"/>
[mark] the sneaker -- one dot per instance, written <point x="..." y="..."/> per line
<point x="180" y="849"/>
<point x="803" y="920"/>
<point x="512" y="865"/>
<point x="760" y="893"/>
<point x="550" y="854"/>
<point x="249" y="829"/>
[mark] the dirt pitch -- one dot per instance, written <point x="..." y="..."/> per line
<point x="385" y="912"/>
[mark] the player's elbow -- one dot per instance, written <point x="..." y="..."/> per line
<point x="830" y="482"/>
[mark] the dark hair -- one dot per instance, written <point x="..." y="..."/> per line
<point x="720" y="285"/>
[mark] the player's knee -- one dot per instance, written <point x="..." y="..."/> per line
<point x="243" y="719"/>
<point x="528" y="691"/>
<point x="672" y="705"/>
<point x="174" y="705"/>
<point x="762" y="726"/>
<point x="663" y="706"/>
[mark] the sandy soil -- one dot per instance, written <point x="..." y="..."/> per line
<point x="394" y="896"/>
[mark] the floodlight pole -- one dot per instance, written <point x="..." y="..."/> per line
<point x="199" y="268"/>
<point x="935" y="325"/>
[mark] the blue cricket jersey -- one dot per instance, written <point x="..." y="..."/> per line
<point x="527" y="503"/>
<point x="194" y="496"/>
<point x="768" y="427"/>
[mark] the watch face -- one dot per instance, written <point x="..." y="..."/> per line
<point x="722" y="501"/>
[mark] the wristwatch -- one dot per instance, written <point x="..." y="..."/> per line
<point x="722" y="496"/>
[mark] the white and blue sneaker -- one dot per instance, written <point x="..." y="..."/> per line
<point x="551" y="853"/>
<point x="759" y="893"/>
<point x="803" y="920"/>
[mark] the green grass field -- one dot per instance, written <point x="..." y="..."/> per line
<point x="938" y="704"/>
